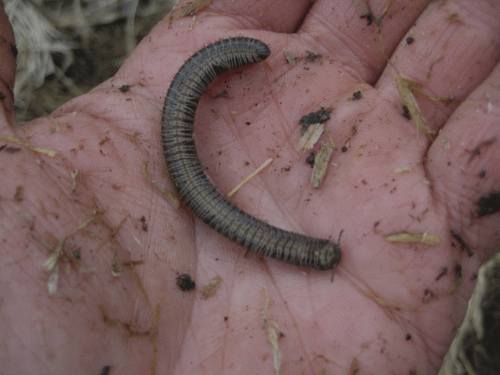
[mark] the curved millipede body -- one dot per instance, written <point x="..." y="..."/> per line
<point x="202" y="198"/>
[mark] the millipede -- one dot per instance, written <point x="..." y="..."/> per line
<point x="193" y="185"/>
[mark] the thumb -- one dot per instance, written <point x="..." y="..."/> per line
<point x="8" y="53"/>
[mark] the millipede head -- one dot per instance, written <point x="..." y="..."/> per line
<point x="328" y="257"/>
<point x="263" y="51"/>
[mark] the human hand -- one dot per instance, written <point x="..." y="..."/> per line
<point x="384" y="313"/>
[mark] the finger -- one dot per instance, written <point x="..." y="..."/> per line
<point x="455" y="48"/>
<point x="8" y="53"/>
<point x="279" y="16"/>
<point x="335" y="28"/>
<point x="178" y="37"/>
<point x="463" y="165"/>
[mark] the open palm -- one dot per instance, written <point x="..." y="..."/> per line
<point x="392" y="307"/>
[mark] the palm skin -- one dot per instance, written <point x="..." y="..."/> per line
<point x="384" y="313"/>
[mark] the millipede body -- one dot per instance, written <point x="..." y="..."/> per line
<point x="187" y="173"/>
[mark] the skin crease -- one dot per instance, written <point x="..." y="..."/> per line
<point x="384" y="313"/>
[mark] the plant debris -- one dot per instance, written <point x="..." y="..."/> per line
<point x="412" y="237"/>
<point x="321" y="162"/>
<point x="312" y="127"/>
<point x="406" y="87"/>
<point x="402" y="169"/>
<point x="311" y="56"/>
<point x="385" y="303"/>
<point x="271" y="334"/>
<point x="44" y="151"/>
<point x="310" y="136"/>
<point x="210" y="288"/>
<point x="171" y="197"/>
<point x="192" y="8"/>
<point x="315" y="117"/>
<point x="52" y="262"/>
<point x="458" y="237"/>
<point x="474" y="349"/>
<point x="291" y="60"/>
<point x="249" y="177"/>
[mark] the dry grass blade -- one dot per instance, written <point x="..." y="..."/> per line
<point x="271" y="335"/>
<point x="249" y="177"/>
<point x="412" y="237"/>
<point x="169" y="195"/>
<point x="405" y="88"/>
<point x="44" y="151"/>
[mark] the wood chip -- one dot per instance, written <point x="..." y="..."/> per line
<point x="321" y="162"/>
<point x="210" y="288"/>
<point x="292" y="60"/>
<point x="311" y="136"/>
